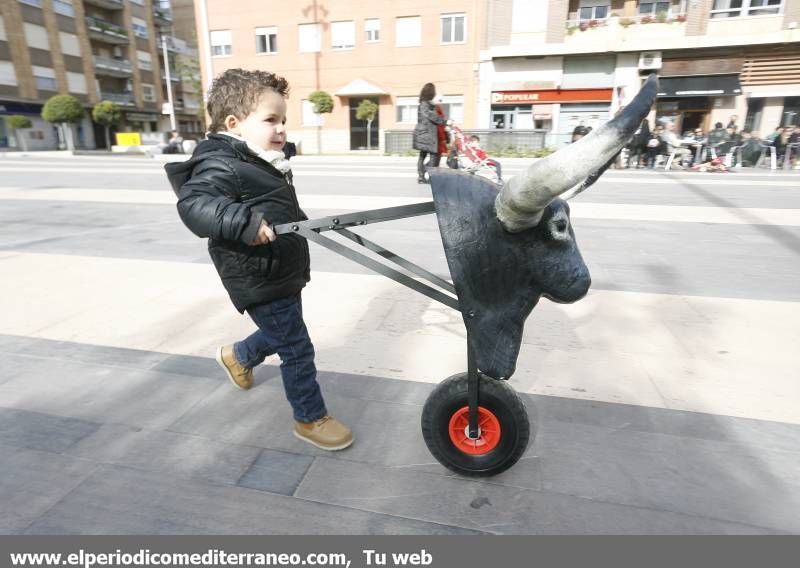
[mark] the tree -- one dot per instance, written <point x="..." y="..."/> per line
<point x="63" y="110"/>
<point x="108" y="114"/>
<point x="17" y="122"/>
<point x="367" y="110"/>
<point x="323" y="104"/>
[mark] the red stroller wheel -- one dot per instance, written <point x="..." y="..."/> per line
<point x="489" y="431"/>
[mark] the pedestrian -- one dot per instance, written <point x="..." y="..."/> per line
<point x="732" y="122"/>
<point x="236" y="185"/>
<point x="654" y="147"/>
<point x="425" y="138"/>
<point x="441" y="130"/>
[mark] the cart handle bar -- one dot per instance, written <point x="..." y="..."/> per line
<point x="312" y="228"/>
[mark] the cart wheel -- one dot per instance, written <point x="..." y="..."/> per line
<point x="502" y="419"/>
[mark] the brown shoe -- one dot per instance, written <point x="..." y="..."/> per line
<point x="240" y="376"/>
<point x="326" y="433"/>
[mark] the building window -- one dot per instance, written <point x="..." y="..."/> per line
<point x="310" y="118"/>
<point x="148" y="93"/>
<point x="453" y="107"/>
<point x="69" y="44"/>
<point x="144" y="59"/>
<point x="64" y="7"/>
<point x="408" y="31"/>
<point x="139" y="28"/>
<point x="309" y="38"/>
<point x="140" y="2"/>
<point x="372" y="30"/>
<point x="221" y="43"/>
<point x="407" y="109"/>
<point x="267" y="40"/>
<point x="7" y="74"/>
<point x="736" y="8"/>
<point x="593" y="10"/>
<point x="36" y="36"/>
<point x="654" y="8"/>
<point x="76" y="83"/>
<point x="45" y="78"/>
<point x="453" y="28"/>
<point x="343" y="35"/>
<point x="37" y="3"/>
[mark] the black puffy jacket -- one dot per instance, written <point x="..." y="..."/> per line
<point x="224" y="191"/>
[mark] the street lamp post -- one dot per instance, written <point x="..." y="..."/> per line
<point x="169" y="83"/>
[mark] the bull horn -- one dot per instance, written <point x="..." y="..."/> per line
<point x="520" y="203"/>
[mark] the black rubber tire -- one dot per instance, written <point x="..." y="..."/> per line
<point x="494" y="395"/>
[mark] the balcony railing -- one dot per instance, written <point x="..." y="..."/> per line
<point x="112" y="67"/>
<point x="106" y="31"/>
<point x="107" y="4"/>
<point x="173" y="75"/>
<point x="624" y="22"/>
<point x="162" y="17"/>
<point x="122" y="99"/>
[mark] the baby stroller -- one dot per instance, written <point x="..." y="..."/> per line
<point x="471" y="160"/>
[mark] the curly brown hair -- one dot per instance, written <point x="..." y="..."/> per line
<point x="237" y="92"/>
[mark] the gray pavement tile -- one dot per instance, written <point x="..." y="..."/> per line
<point x="101" y="393"/>
<point x="385" y="433"/>
<point x="734" y="482"/>
<point x="98" y="354"/>
<point x="746" y="431"/>
<point x="12" y="365"/>
<point x="166" y="452"/>
<point x="118" y="500"/>
<point x="488" y="507"/>
<point x="190" y="366"/>
<point x="32" y="481"/>
<point x="14" y="343"/>
<point x="276" y="472"/>
<point x="37" y="431"/>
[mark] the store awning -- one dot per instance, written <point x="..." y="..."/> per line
<point x="360" y="88"/>
<point x="700" y="86"/>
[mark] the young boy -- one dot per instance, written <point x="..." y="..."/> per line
<point x="475" y="144"/>
<point x="235" y="186"/>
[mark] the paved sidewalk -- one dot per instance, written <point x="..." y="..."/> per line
<point x="667" y="399"/>
<point x="113" y="441"/>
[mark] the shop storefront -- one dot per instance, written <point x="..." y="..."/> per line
<point x="551" y="109"/>
<point x="689" y="100"/>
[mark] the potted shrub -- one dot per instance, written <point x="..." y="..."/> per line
<point x="625" y="22"/>
<point x="646" y="19"/>
<point x="681" y="18"/>
<point x="593" y="23"/>
<point x="584" y="26"/>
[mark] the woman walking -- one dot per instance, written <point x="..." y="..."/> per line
<point x="426" y="138"/>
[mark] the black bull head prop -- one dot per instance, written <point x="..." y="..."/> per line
<point x="509" y="246"/>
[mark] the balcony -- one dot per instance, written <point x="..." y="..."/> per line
<point x="173" y="75"/>
<point x="122" y="99"/>
<point x="112" y="67"/>
<point x="107" y="4"/>
<point x="106" y="31"/>
<point x="162" y="17"/>
<point x="609" y="34"/>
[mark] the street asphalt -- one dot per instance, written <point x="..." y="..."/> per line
<point x="665" y="402"/>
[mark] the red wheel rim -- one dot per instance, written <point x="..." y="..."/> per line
<point x="488" y="430"/>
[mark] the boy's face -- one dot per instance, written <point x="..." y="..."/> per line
<point x="265" y="125"/>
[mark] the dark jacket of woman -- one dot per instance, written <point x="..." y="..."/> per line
<point x="224" y="191"/>
<point x="425" y="135"/>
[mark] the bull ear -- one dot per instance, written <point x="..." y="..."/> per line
<point x="520" y="204"/>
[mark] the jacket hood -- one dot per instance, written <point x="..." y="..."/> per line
<point x="179" y="173"/>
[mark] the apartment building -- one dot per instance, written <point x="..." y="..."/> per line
<point x="94" y="50"/>
<point x="560" y="63"/>
<point x="382" y="50"/>
<point x="514" y="65"/>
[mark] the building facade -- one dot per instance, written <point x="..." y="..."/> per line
<point x="381" y="50"/>
<point x="578" y="61"/>
<point x="513" y="65"/>
<point x="93" y="50"/>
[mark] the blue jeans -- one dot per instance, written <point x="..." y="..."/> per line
<point x="281" y="330"/>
